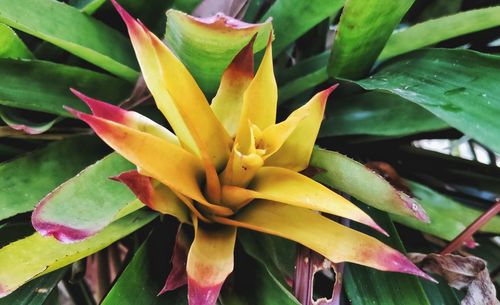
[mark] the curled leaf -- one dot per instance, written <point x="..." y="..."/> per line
<point x="461" y="272"/>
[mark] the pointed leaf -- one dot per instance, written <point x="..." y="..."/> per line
<point x="36" y="292"/>
<point x="181" y="176"/>
<point x="436" y="30"/>
<point x="210" y="261"/>
<point x="142" y="278"/>
<point x="178" y="274"/>
<point x="16" y="122"/>
<point x="458" y="86"/>
<point x="332" y="240"/>
<point x="449" y="217"/>
<point x="361" y="35"/>
<point x="259" y="100"/>
<point x="177" y="94"/>
<point x="155" y="195"/>
<point x="286" y="186"/>
<point x="130" y="119"/>
<point x="297" y="149"/>
<point x="353" y="178"/>
<point x="207" y="45"/>
<point x="19" y="264"/>
<point x="228" y="102"/>
<point x="11" y="46"/>
<point x="62" y="159"/>
<point x="85" y="204"/>
<point x="366" y="286"/>
<point x="29" y="84"/>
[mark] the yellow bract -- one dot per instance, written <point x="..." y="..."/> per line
<point x="235" y="165"/>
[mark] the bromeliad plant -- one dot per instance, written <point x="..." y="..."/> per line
<point x="241" y="173"/>
<point x="228" y="165"/>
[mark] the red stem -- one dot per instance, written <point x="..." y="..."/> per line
<point x="472" y="228"/>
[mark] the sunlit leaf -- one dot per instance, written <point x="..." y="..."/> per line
<point x="11" y="46"/>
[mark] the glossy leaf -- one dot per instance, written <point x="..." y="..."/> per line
<point x="433" y="31"/>
<point x="11" y="46"/>
<point x="85" y="204"/>
<point x="36" y="292"/>
<point x="44" y="86"/>
<point x="142" y="279"/>
<point x="293" y="18"/>
<point x="19" y="264"/>
<point x="295" y="153"/>
<point x="378" y="114"/>
<point x="286" y="186"/>
<point x="353" y="178"/>
<point x="330" y="239"/>
<point x="76" y="32"/>
<point x="207" y="51"/>
<point x="304" y="75"/>
<point x="458" y="86"/>
<point x="449" y="217"/>
<point x="362" y="33"/>
<point x="62" y="159"/>
<point x="367" y="286"/>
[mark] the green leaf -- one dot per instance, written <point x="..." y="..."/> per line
<point x="353" y="178"/>
<point x="379" y="114"/>
<point x="448" y="217"/>
<point x="31" y="177"/>
<point x="85" y="204"/>
<point x="362" y="32"/>
<point x="11" y="46"/>
<point x="304" y="75"/>
<point x="15" y="121"/>
<point x="207" y="51"/>
<point x="293" y="18"/>
<point x="44" y="86"/>
<point x="254" y="284"/>
<point x="35" y="292"/>
<point x="87" y="6"/>
<point x="75" y="32"/>
<point x="187" y="6"/>
<point x="458" y="86"/>
<point x="275" y="253"/>
<point x="433" y="31"/>
<point x="144" y="276"/>
<point x="36" y="255"/>
<point x="369" y="286"/>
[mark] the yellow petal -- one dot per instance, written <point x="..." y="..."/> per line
<point x="155" y="157"/>
<point x="178" y="96"/>
<point x="130" y="119"/>
<point x="260" y="100"/>
<point x="146" y="55"/>
<point x="228" y="102"/>
<point x="210" y="261"/>
<point x="274" y="136"/>
<point x="286" y="186"/>
<point x="332" y="240"/>
<point x="296" y="152"/>
<point x="155" y="195"/>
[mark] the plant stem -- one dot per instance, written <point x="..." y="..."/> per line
<point x="472" y="228"/>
